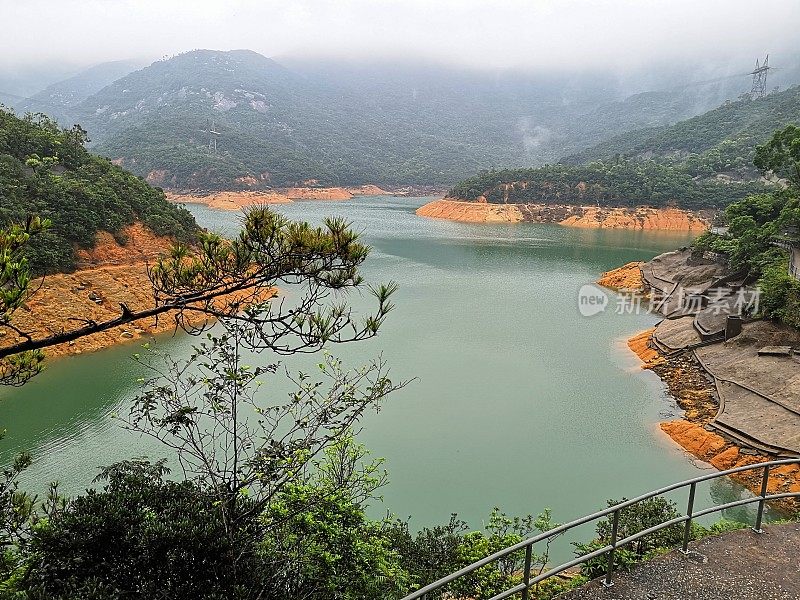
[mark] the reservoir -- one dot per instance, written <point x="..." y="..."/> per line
<point x="515" y="399"/>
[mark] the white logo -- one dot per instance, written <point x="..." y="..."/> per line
<point x="591" y="300"/>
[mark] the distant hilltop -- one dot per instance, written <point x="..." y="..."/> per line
<point x="240" y="121"/>
<point x="700" y="164"/>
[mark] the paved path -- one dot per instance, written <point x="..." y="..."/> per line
<point x="739" y="565"/>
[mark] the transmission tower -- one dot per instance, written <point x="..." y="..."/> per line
<point x="760" y="79"/>
<point x="212" y="135"/>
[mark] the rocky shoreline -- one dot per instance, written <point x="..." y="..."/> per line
<point x="237" y="200"/>
<point x="694" y="390"/>
<point x="639" y="218"/>
<point x="108" y="275"/>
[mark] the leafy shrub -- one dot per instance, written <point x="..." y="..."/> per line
<point x="632" y="519"/>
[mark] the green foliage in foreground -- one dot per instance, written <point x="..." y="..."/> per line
<point x="45" y="170"/>
<point x="757" y="221"/>
<point x="632" y="520"/>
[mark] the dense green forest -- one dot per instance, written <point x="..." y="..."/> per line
<point x="45" y="170"/>
<point x="720" y="141"/>
<point x="756" y="222"/>
<point x="614" y="182"/>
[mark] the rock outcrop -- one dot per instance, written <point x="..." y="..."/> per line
<point x="229" y="200"/>
<point x="109" y="275"/>
<point x="644" y="218"/>
<point x="237" y="200"/>
<point x="312" y="193"/>
<point x="627" y="277"/>
<point x="471" y="212"/>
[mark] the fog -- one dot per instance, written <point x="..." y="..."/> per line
<point x="542" y="35"/>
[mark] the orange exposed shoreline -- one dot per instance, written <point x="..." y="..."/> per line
<point x="688" y="384"/>
<point x="690" y="433"/>
<point x="108" y="275"/>
<point x="471" y="212"/>
<point x="231" y="200"/>
<point x="626" y="277"/>
<point x="641" y="218"/>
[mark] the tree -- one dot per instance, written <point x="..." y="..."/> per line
<point x="143" y="536"/>
<point x="239" y="458"/>
<point x="230" y="280"/>
<point x="15" y="279"/>
<point x="204" y="410"/>
<point x="502" y="531"/>
<point x="781" y="154"/>
<point x="632" y="519"/>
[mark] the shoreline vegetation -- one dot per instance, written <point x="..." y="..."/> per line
<point x="693" y="389"/>
<point x="638" y="218"/>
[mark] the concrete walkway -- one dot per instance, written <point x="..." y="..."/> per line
<point x="739" y="565"/>
<point x="759" y="395"/>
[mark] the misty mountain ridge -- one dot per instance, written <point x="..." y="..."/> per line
<point x="726" y="135"/>
<point x="705" y="162"/>
<point x="338" y="123"/>
<point x="59" y="98"/>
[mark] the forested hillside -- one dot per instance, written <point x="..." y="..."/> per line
<point x="276" y="128"/>
<point x="702" y="162"/>
<point x="615" y="182"/>
<point x="59" y="99"/>
<point x="46" y="171"/>
<point x="721" y="141"/>
<point x="756" y="223"/>
<point x="343" y="124"/>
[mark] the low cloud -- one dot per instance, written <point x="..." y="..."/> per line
<point x="491" y="34"/>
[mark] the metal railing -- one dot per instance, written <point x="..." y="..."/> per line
<point x="794" y="265"/>
<point x="609" y="549"/>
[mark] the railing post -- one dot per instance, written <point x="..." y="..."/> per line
<point x="763" y="501"/>
<point x="526" y="593"/>
<point x="610" y="568"/>
<point x="689" y="512"/>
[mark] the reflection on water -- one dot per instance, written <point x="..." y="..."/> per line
<point x="517" y="402"/>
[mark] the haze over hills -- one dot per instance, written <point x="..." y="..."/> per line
<point x="729" y="132"/>
<point x="58" y="99"/>
<point x="702" y="162"/>
<point x="351" y="123"/>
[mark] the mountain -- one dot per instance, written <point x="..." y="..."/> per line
<point x="18" y="83"/>
<point x="702" y="162"/>
<point x="59" y="98"/>
<point x="719" y="142"/>
<point x="347" y="124"/>
<point x="46" y="171"/>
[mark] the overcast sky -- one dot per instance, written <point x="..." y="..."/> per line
<point x="563" y="34"/>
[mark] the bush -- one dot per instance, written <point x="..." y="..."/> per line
<point x="145" y="537"/>
<point x="633" y="519"/>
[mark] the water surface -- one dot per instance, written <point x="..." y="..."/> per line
<point x="517" y="400"/>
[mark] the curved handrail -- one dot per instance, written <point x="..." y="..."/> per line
<point x="615" y="510"/>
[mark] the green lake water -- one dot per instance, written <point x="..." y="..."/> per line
<point x="518" y="401"/>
